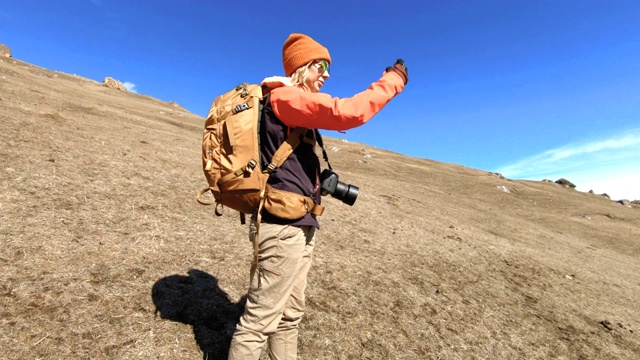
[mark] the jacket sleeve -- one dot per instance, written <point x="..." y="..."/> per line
<point x="295" y="107"/>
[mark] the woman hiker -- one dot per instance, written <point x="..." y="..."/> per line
<point x="275" y="301"/>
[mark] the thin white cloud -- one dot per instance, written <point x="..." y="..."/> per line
<point x="622" y="186"/>
<point x="610" y="165"/>
<point x="131" y="87"/>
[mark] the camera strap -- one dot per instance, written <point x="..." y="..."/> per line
<point x="324" y="151"/>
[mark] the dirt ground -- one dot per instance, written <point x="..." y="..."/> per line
<point x="105" y="254"/>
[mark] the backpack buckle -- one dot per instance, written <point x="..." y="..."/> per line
<point x="243" y="87"/>
<point x="271" y="168"/>
<point x="250" y="166"/>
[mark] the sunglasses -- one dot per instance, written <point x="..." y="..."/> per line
<point x="323" y="66"/>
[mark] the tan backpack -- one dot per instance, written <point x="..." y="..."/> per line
<point x="231" y="159"/>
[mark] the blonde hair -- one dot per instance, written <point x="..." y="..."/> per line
<point x="298" y="76"/>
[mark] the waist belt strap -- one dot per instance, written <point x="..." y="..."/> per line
<point x="315" y="209"/>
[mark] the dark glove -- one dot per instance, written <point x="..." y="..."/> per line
<point x="400" y="68"/>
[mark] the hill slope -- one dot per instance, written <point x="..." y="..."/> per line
<point x="434" y="261"/>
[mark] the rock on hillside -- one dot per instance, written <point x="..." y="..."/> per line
<point x="5" y="51"/>
<point x="114" y="84"/>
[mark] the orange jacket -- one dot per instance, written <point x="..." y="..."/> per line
<point x="297" y="108"/>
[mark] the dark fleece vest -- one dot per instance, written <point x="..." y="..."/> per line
<point x="300" y="173"/>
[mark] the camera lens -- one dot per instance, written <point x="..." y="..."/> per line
<point x="346" y="193"/>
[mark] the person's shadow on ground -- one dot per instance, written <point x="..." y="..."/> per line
<point x="197" y="300"/>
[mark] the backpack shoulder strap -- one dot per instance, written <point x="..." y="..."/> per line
<point x="286" y="149"/>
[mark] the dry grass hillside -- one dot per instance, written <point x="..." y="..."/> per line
<point x="99" y="227"/>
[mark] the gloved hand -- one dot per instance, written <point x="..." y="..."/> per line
<point x="400" y="68"/>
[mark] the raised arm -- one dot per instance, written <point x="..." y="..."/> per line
<point x="297" y="108"/>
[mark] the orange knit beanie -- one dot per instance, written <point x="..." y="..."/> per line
<point x="299" y="49"/>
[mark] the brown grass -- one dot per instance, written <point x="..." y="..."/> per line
<point x="434" y="261"/>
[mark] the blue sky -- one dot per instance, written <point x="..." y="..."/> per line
<point x="531" y="89"/>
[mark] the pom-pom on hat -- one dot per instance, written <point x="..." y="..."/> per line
<point x="300" y="49"/>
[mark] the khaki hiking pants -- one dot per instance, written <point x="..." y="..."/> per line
<point x="275" y="303"/>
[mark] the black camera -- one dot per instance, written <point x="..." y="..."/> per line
<point x="330" y="185"/>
